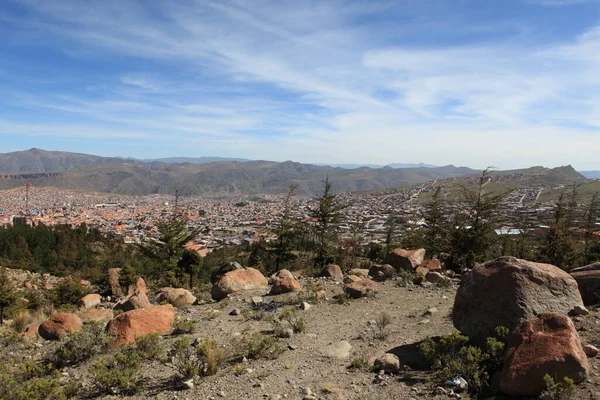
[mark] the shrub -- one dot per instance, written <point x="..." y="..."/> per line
<point x="259" y="347"/>
<point x="117" y="374"/>
<point x="202" y="360"/>
<point x="453" y="355"/>
<point x="381" y="323"/>
<point x="289" y="318"/>
<point x="20" y="320"/>
<point x="564" y="390"/>
<point x="181" y="327"/>
<point x="80" y="347"/>
<point x="149" y="347"/>
<point x="361" y="364"/>
<point x="68" y="292"/>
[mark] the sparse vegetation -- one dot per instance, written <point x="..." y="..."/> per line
<point x="79" y="347"/>
<point x="564" y="390"/>
<point x="382" y="321"/>
<point x="182" y="326"/>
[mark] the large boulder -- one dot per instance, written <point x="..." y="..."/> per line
<point x="97" y="315"/>
<point x="433" y="265"/>
<point x="405" y="259"/>
<point x="237" y="281"/>
<point x="113" y="281"/>
<point x="333" y="271"/>
<point x="138" y="287"/>
<point x="284" y="282"/>
<point x="361" y="288"/>
<point x="128" y="326"/>
<point x="225" y="268"/>
<point x="507" y="291"/>
<point x="546" y="344"/>
<point x="382" y="272"/>
<point x="58" y="325"/>
<point x="588" y="280"/>
<point x="134" y="302"/>
<point x="90" y="300"/>
<point x="175" y="296"/>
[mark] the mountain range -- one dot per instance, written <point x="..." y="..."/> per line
<point x="210" y="176"/>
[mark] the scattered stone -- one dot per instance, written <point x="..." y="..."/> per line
<point x="388" y="363"/>
<point x="284" y="282"/>
<point x="305" y="306"/>
<point x="360" y="272"/>
<point x="406" y="259"/>
<point x="422" y="272"/>
<point x="506" y="291"/>
<point x="134" y="302"/>
<point x="457" y="383"/>
<point x="189" y="384"/>
<point x="175" y="296"/>
<point x="31" y="332"/>
<point x="590" y="351"/>
<point x="362" y="288"/>
<point x="238" y="280"/>
<point x="436" y="277"/>
<point x="131" y="325"/>
<point x="257" y="300"/>
<point x="58" y="325"/>
<point x="382" y="273"/>
<point x="235" y="311"/>
<point x="90" y="301"/>
<point x="339" y="350"/>
<point x="546" y="344"/>
<point x="430" y="311"/>
<point x="433" y="265"/>
<point x="333" y="271"/>
<point x="588" y="281"/>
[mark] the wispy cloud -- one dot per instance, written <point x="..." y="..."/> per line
<point x="341" y="81"/>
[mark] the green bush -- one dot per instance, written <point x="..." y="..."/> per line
<point x="361" y="364"/>
<point x="118" y="373"/>
<point x="181" y="327"/>
<point x="149" y="347"/>
<point x="80" y="347"/>
<point x="202" y="360"/>
<point x="453" y="355"/>
<point x="260" y="347"/>
<point x="564" y="390"/>
<point x="68" y="292"/>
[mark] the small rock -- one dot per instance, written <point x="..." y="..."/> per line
<point x="305" y="306"/>
<point x="189" y="384"/>
<point x="338" y="350"/>
<point x="431" y="311"/>
<point x="590" y="351"/>
<point x="579" y="310"/>
<point x="388" y="362"/>
<point x="235" y="311"/>
<point x="458" y="383"/>
<point x="257" y="300"/>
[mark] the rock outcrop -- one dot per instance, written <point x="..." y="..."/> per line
<point x="382" y="273"/>
<point x="588" y="280"/>
<point x="128" y="326"/>
<point x="59" y="325"/>
<point x="361" y="288"/>
<point x="175" y="296"/>
<point x="284" y="282"/>
<point x="547" y="344"/>
<point x="333" y="271"/>
<point x="90" y="301"/>
<point x="113" y="281"/>
<point x="405" y="259"/>
<point x="237" y="281"/>
<point x="97" y="315"/>
<point x="508" y="291"/>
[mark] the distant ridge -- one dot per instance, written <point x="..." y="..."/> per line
<point x="591" y="174"/>
<point x="195" y="160"/>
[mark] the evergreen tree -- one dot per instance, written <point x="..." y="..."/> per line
<point x="285" y="232"/>
<point x="7" y="293"/>
<point x="328" y="214"/>
<point x="190" y="263"/>
<point x="590" y="217"/>
<point x="558" y="246"/>
<point x="473" y="235"/>
<point x="435" y="235"/>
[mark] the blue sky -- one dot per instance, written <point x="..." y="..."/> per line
<point x="509" y="83"/>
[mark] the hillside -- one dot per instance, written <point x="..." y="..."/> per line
<point x="40" y="161"/>
<point x="228" y="178"/>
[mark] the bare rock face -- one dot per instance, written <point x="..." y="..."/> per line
<point x="134" y="302"/>
<point x="382" y="273"/>
<point x="433" y="265"/>
<point x="59" y="325"/>
<point x="588" y="280"/>
<point x="284" y="282"/>
<point x="406" y="259"/>
<point x="175" y="296"/>
<point x="113" y="281"/>
<point x="333" y="271"/>
<point x="238" y="280"/>
<point x="507" y="291"/>
<point x="130" y="325"/>
<point x="547" y="344"/>
<point x="97" y="315"/>
<point x="361" y="288"/>
<point x="90" y="301"/>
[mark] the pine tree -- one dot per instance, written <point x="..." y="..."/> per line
<point x="285" y="232"/>
<point x="328" y="214"/>
<point x="435" y="236"/>
<point x="473" y="234"/>
<point x="558" y="246"/>
<point x="189" y="263"/>
<point x="591" y="214"/>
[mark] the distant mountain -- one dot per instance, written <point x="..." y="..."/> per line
<point x="591" y="174"/>
<point x="394" y="165"/>
<point x="227" y="178"/>
<point x="40" y="161"/>
<point x="195" y="160"/>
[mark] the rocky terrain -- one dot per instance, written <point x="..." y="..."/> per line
<point x="332" y="330"/>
